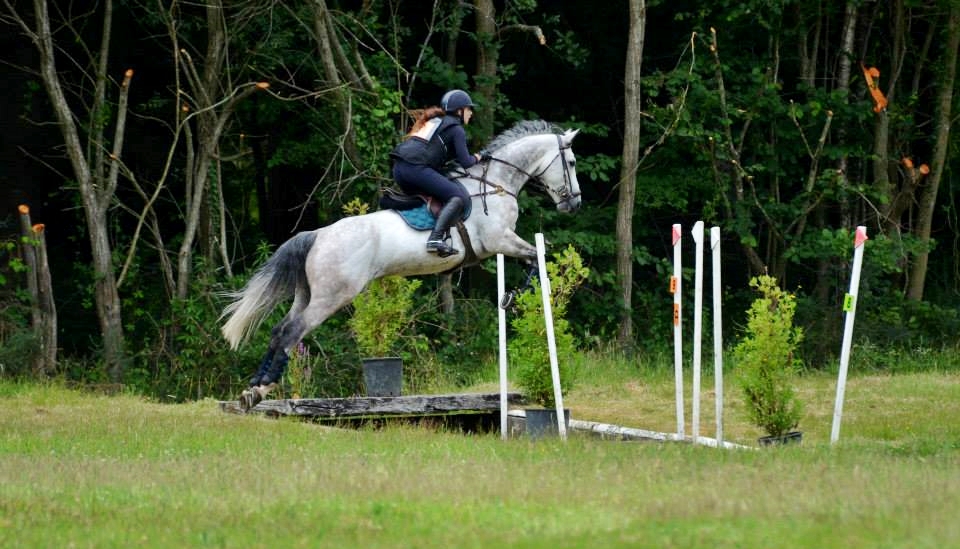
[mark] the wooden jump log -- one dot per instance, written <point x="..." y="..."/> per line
<point x="379" y="407"/>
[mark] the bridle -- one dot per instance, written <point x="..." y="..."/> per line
<point x="566" y="194"/>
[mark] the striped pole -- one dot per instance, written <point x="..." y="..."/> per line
<point x="502" y="317"/>
<point x="717" y="332"/>
<point x="850" y="308"/>
<point x="551" y="338"/>
<point x="675" y="287"/>
<point x="697" y="326"/>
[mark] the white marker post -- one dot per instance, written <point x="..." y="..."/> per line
<point x="717" y="332"/>
<point x="551" y="339"/>
<point x="502" y="317"/>
<point x="675" y="287"/>
<point x="850" y="308"/>
<point x="697" y="326"/>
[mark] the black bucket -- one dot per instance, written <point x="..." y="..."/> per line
<point x="542" y="422"/>
<point x="793" y="437"/>
<point x="383" y="377"/>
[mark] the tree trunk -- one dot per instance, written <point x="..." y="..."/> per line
<point x="332" y="57"/>
<point x="43" y="311"/>
<point x="886" y="187"/>
<point x="808" y="47"/>
<point x="454" y="12"/>
<point x="824" y="282"/>
<point x="928" y="194"/>
<point x="628" y="170"/>
<point x="488" y="54"/>
<point x="94" y="197"/>
<point x="47" y="327"/>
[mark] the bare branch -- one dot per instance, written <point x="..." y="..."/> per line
<point x="13" y="17"/>
<point x="111" y="183"/>
<point x="532" y="29"/>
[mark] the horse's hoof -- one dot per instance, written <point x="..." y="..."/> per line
<point x="250" y="398"/>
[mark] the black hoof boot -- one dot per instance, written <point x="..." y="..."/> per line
<point x="275" y="372"/>
<point x="257" y="378"/>
<point x="249" y="398"/>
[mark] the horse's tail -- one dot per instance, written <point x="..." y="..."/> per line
<point x="275" y="281"/>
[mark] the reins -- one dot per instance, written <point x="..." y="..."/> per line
<point x="566" y="195"/>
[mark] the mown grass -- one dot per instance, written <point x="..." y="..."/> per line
<point x="82" y="470"/>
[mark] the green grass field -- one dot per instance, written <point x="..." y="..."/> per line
<point x="85" y="470"/>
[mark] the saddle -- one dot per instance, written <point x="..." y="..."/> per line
<point x="395" y="199"/>
<point x="418" y="210"/>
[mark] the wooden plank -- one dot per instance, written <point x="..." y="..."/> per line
<point x="353" y="407"/>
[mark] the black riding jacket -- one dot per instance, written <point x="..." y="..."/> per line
<point x="448" y="142"/>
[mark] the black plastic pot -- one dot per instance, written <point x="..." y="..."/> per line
<point x="793" y="437"/>
<point x="383" y="376"/>
<point x="542" y="422"/>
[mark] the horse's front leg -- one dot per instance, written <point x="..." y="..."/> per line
<point x="512" y="245"/>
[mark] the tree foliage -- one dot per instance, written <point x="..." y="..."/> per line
<point x="251" y="122"/>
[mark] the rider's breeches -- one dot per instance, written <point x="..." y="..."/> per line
<point x="418" y="179"/>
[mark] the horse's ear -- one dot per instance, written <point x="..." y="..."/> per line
<point x="568" y="136"/>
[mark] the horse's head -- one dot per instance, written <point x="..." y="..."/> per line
<point x="557" y="173"/>
<point x="533" y="150"/>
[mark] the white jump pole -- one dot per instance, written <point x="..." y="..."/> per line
<point x="502" y="317"/>
<point x="551" y="339"/>
<point x="675" y="287"/>
<point x="697" y="326"/>
<point x="717" y="332"/>
<point x="850" y="308"/>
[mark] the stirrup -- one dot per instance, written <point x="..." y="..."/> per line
<point x="440" y="248"/>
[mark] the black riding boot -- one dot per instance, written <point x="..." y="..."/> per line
<point x="447" y="217"/>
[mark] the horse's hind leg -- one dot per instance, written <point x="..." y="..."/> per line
<point x="290" y="333"/>
<point x="275" y="360"/>
<point x="267" y="358"/>
<point x="270" y="371"/>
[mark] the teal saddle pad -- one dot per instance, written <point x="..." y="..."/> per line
<point x="419" y="218"/>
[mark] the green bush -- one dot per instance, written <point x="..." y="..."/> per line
<point x="18" y="342"/>
<point x="381" y="313"/>
<point x="383" y="309"/>
<point x="529" y="354"/>
<point x="766" y="360"/>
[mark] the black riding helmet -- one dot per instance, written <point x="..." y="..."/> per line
<point x="454" y="100"/>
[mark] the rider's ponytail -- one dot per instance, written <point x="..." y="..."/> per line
<point x="421" y="116"/>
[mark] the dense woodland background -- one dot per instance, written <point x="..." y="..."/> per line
<point x="168" y="147"/>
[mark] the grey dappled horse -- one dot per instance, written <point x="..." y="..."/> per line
<point x="326" y="268"/>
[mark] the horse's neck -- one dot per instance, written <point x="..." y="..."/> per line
<point x="510" y="170"/>
<point x="497" y="174"/>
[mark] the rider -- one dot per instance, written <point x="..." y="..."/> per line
<point x="437" y="137"/>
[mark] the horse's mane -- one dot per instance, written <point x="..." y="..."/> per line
<point x="521" y="129"/>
